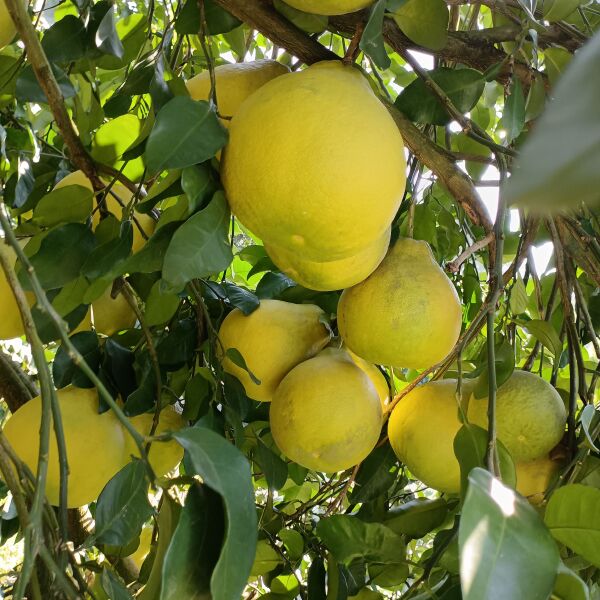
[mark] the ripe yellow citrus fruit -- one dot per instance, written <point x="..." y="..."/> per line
<point x="272" y="340"/>
<point x="326" y="413"/>
<point x="534" y="477"/>
<point x="110" y="315"/>
<point x="329" y="7"/>
<point x="333" y="274"/>
<point x="530" y="416"/>
<point x="315" y="163"/>
<point x="405" y="314"/>
<point x="7" y="27"/>
<point x="114" y="206"/>
<point x="95" y="444"/>
<point x="422" y="429"/>
<point x="164" y="456"/>
<point x="11" y="325"/>
<point x="139" y="556"/>
<point x="234" y="83"/>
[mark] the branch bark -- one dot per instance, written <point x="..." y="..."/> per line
<point x="15" y="387"/>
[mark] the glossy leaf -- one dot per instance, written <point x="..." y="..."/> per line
<point x="545" y="333"/>
<point x="424" y="22"/>
<point x="69" y="204"/>
<point x="513" y="117"/>
<point x="375" y="475"/>
<point x="371" y="41"/>
<point x="499" y="534"/>
<point x="417" y="517"/>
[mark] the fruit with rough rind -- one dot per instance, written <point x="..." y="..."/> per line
<point x="117" y="198"/>
<point x="11" y="325"/>
<point x="7" y="27"/>
<point x="272" y="340"/>
<point x="315" y="163"/>
<point x="534" y="477"/>
<point x="329" y="7"/>
<point x="333" y="274"/>
<point x="406" y="314"/>
<point x="95" y="444"/>
<point x="326" y="414"/>
<point x="422" y="428"/>
<point x="234" y="83"/>
<point x="530" y="416"/>
<point x="164" y="456"/>
<point x="110" y="315"/>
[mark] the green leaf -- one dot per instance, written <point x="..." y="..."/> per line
<point x="65" y="41"/>
<point x="113" y="586"/>
<point x="513" y="117"/>
<point x="519" y="301"/>
<point x="424" y="22"/>
<point x="316" y="580"/>
<point x="545" y="333"/>
<point x="198" y="183"/>
<point x="588" y="415"/>
<point x="306" y="21"/>
<point x="108" y="258"/>
<point x="65" y="371"/>
<point x="375" y="475"/>
<point x="241" y="298"/>
<point x="226" y="470"/>
<point x="123" y="506"/>
<point x="61" y="255"/>
<point x="199" y="247"/>
<point x="505" y="550"/>
<point x="463" y="86"/>
<point x="504" y="363"/>
<point x="349" y="538"/>
<point x="557" y="10"/>
<point x="106" y="38"/>
<point x="160" y="305"/>
<point x="28" y="89"/>
<point x="235" y="356"/>
<point x="558" y="165"/>
<point x="73" y="203"/>
<point x="371" y="41"/>
<point x="115" y="137"/>
<point x="218" y="20"/>
<point x="266" y="560"/>
<point x="470" y="447"/>
<point x="569" y="586"/>
<point x="194" y="548"/>
<point x="274" y="468"/>
<point x="293" y="542"/>
<point x="417" y="517"/>
<point x="185" y="133"/>
<point x="573" y="518"/>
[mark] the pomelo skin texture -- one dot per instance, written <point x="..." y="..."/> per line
<point x="315" y="163"/>
<point x="329" y="7"/>
<point x="406" y="314"/>
<point x="164" y="456"/>
<point x="114" y="206"/>
<point x="7" y="27"/>
<point x="530" y="416"/>
<point x="535" y="476"/>
<point x="234" y="83"/>
<point x="422" y="428"/>
<point x="272" y="340"/>
<point x="333" y="274"/>
<point x="326" y="413"/>
<point x="95" y="444"/>
<point x="112" y="314"/>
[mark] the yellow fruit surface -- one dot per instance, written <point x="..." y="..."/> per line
<point x="530" y="416"/>
<point x="405" y="314"/>
<point x="7" y="27"/>
<point x="139" y="556"/>
<point x="333" y="274"/>
<point x="11" y="325"/>
<point x="315" y="163"/>
<point x="272" y="340"/>
<point x="534" y="477"/>
<point x="422" y="428"/>
<point x="234" y="83"/>
<point x="164" y="456"/>
<point x="376" y="377"/>
<point x="326" y="413"/>
<point x="111" y="315"/>
<point x="95" y="444"/>
<point x="142" y="223"/>
<point x="329" y="7"/>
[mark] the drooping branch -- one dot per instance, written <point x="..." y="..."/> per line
<point x="45" y="76"/>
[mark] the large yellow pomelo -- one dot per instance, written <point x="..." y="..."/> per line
<point x="95" y="444"/>
<point x="139" y="555"/>
<point x="114" y="206"/>
<point x="234" y="83"/>
<point x="534" y="477"/>
<point x="110" y="315"/>
<point x="405" y="314"/>
<point x="272" y="340"/>
<point x="422" y="429"/>
<point x="530" y="416"/>
<point x="7" y="27"/>
<point x="315" y="163"/>
<point x="329" y="7"/>
<point x="326" y="413"/>
<point x="333" y="274"/>
<point x="164" y="456"/>
<point x="11" y="325"/>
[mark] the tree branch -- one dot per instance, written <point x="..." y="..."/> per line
<point x="15" y="387"/>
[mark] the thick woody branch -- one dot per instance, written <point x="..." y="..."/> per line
<point x="43" y="72"/>
<point x="15" y="387"/>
